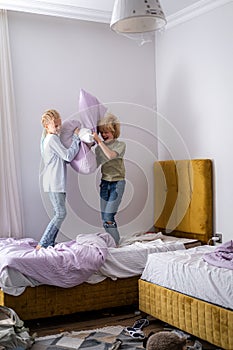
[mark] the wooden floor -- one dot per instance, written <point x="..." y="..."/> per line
<point x="92" y="320"/>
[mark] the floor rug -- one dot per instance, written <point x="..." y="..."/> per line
<point x="107" y="338"/>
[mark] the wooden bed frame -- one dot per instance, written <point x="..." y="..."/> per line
<point x="46" y="301"/>
<point x="199" y="318"/>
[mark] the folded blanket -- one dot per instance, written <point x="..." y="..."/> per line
<point x="65" y="265"/>
<point x="222" y="256"/>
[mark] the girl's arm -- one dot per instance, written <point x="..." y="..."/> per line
<point x="66" y="154"/>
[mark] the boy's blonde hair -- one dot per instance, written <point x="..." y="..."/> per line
<point x="48" y="116"/>
<point x="109" y="123"/>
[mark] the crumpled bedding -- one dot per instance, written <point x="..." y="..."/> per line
<point x="222" y="256"/>
<point x="65" y="265"/>
<point x="130" y="260"/>
<point x="127" y="260"/>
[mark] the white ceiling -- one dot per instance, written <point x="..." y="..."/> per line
<point x="170" y="7"/>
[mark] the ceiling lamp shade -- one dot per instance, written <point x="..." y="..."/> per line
<point x="137" y="16"/>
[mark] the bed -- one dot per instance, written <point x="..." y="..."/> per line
<point x="180" y="301"/>
<point x="97" y="276"/>
<point x="113" y="290"/>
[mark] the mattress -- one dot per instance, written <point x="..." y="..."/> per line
<point x="186" y="272"/>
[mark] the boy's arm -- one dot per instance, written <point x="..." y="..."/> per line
<point x="108" y="152"/>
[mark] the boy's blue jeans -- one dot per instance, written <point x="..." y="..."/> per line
<point x="58" y="200"/>
<point x="111" y="193"/>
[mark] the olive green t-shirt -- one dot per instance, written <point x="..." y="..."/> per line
<point x="112" y="169"/>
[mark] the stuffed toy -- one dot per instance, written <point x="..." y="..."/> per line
<point x="165" y="341"/>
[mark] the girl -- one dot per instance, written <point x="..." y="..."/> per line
<point x="55" y="157"/>
<point x="109" y="154"/>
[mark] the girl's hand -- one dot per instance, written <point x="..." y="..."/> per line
<point x="76" y="131"/>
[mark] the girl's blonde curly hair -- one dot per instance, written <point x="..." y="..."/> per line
<point x="109" y="123"/>
<point x="48" y="116"/>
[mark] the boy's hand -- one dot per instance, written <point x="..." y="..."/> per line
<point x="96" y="137"/>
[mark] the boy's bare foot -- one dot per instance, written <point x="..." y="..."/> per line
<point x="38" y="247"/>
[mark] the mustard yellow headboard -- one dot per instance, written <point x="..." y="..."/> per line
<point x="184" y="198"/>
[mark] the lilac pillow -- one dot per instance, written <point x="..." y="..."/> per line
<point x="90" y="111"/>
<point x="67" y="130"/>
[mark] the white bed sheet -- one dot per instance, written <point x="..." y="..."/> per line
<point x="186" y="272"/>
<point x="128" y="260"/>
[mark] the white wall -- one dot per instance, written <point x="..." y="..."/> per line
<point x="194" y="97"/>
<point x="52" y="59"/>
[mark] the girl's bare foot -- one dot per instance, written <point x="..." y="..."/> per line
<point x="38" y="247"/>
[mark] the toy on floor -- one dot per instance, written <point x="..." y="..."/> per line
<point x="164" y="340"/>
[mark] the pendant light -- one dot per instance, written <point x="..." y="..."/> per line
<point x="137" y="16"/>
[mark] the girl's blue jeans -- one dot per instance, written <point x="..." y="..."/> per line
<point x="111" y="193"/>
<point x="58" y="200"/>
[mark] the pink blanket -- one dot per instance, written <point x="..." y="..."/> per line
<point x="66" y="265"/>
<point x="222" y="256"/>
